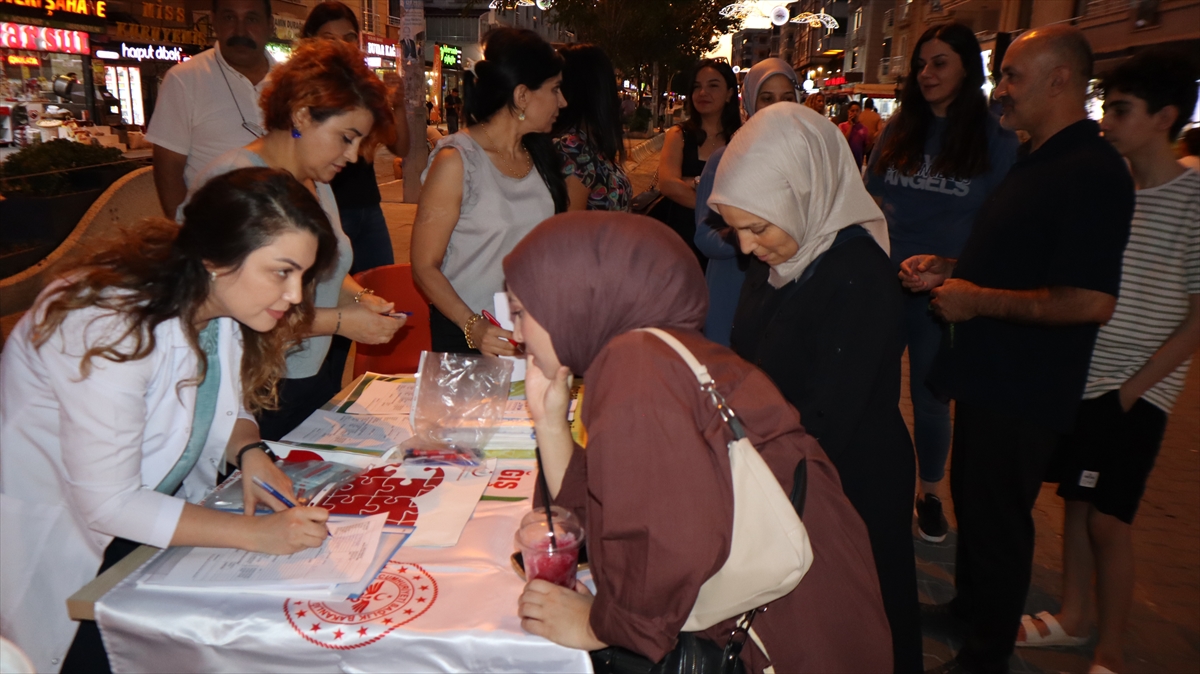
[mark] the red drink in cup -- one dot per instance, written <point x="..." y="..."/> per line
<point x="554" y="560"/>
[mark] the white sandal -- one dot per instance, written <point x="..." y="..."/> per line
<point x="1057" y="637"/>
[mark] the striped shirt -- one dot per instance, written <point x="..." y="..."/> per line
<point x="1161" y="268"/>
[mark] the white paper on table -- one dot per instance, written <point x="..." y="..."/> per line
<point x="344" y="557"/>
<point x="385" y="398"/>
<point x="504" y="317"/>
<point x="366" y="431"/>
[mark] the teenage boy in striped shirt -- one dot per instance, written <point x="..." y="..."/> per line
<point x="1139" y="363"/>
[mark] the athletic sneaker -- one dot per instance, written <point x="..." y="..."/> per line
<point x="931" y="523"/>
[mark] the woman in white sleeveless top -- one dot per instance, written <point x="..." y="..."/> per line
<point x="477" y="203"/>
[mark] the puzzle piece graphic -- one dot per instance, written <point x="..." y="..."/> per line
<point x="383" y="490"/>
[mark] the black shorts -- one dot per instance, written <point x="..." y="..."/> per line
<point x="1108" y="456"/>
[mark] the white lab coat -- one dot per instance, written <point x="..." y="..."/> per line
<point x="80" y="458"/>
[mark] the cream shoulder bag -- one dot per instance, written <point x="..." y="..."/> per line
<point x="769" y="552"/>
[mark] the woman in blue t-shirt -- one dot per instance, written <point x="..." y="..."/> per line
<point x="937" y="162"/>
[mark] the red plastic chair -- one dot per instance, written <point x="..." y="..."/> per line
<point x="401" y="355"/>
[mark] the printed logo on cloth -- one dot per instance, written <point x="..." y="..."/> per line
<point x="1088" y="479"/>
<point x="400" y="594"/>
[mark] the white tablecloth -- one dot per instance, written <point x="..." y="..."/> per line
<point x="432" y="609"/>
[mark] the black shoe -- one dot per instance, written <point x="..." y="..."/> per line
<point x="931" y="522"/>
<point x="940" y="619"/>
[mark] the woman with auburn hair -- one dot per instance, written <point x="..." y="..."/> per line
<point x="131" y="383"/>
<point x="486" y="186"/>
<point x="936" y="163"/>
<point x="322" y="106"/>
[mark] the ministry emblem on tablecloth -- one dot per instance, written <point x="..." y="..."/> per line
<point x="397" y="596"/>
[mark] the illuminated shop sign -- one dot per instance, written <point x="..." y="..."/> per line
<point x="451" y="57"/>
<point x="834" y="81"/>
<point x="41" y="38"/>
<point x="150" y="52"/>
<point x="18" y="60"/>
<point x="98" y="8"/>
<point x="381" y="49"/>
<point x="133" y="31"/>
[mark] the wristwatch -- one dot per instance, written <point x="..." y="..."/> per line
<point x="255" y="445"/>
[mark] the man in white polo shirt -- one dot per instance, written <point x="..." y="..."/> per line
<point x="209" y="104"/>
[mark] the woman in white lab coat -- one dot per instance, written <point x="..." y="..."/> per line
<point x="130" y="383"/>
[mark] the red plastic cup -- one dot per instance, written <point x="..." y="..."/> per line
<point x="543" y="560"/>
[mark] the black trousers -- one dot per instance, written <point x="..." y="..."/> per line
<point x="446" y="337"/>
<point x="996" y="473"/>
<point x="299" y="398"/>
<point x="87" y="654"/>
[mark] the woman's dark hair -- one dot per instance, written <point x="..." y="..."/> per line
<point x="327" y="11"/>
<point x="512" y="57"/>
<point x="731" y="117"/>
<point x="1191" y="140"/>
<point x="593" y="106"/>
<point x="964" y="150"/>
<point x="157" y="272"/>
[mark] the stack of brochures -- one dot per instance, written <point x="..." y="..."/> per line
<point x="351" y="557"/>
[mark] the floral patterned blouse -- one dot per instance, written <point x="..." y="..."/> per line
<point x="609" y="188"/>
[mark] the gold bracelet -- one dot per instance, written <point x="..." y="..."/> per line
<point x="475" y="318"/>
<point x="365" y="291"/>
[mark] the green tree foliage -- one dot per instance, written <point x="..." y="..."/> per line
<point x="636" y="33"/>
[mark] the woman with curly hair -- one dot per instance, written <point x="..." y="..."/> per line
<point x="321" y="108"/>
<point x="131" y="383"/>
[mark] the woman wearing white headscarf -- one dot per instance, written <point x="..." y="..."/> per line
<point x="819" y="313"/>
<point x="770" y="81"/>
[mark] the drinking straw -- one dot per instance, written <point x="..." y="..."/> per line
<point x="546" y="497"/>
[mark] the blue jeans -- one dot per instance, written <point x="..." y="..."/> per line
<point x="369" y="237"/>
<point x="931" y="415"/>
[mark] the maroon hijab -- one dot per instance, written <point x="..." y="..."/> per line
<point x="588" y="276"/>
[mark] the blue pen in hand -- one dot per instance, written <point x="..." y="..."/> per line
<point x="282" y="499"/>
<point x="274" y="492"/>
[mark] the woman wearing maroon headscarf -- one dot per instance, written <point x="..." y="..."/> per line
<point x="653" y="486"/>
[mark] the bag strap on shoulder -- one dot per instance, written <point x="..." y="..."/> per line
<point x="706" y="381"/>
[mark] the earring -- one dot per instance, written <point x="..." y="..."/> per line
<point x="295" y="132"/>
<point x="521" y="116"/>
<point x="212" y="276"/>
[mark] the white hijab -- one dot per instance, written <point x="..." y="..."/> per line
<point x="791" y="167"/>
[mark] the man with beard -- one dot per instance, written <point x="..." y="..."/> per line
<point x="209" y="104"/>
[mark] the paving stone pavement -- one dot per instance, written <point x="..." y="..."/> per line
<point x="1164" y="628"/>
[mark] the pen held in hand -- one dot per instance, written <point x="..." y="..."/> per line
<point x="492" y="319"/>
<point x="285" y="500"/>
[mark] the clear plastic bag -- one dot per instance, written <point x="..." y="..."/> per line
<point x="457" y="407"/>
<point x="308" y="478"/>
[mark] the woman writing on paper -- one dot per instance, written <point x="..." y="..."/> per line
<point x="129" y="385"/>
<point x="653" y="485"/>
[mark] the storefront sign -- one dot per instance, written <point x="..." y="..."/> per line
<point x="385" y="50"/>
<point x="132" y="31"/>
<point x="157" y="10"/>
<point x="150" y="52"/>
<point x="96" y="8"/>
<point x="40" y="38"/>
<point x="451" y="57"/>
<point x="288" y="28"/>
<point x="834" y="81"/>
<point x="18" y="60"/>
